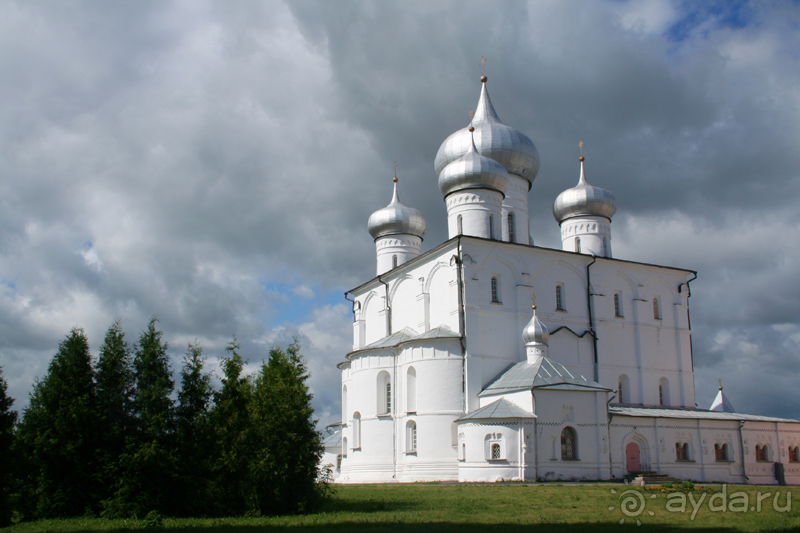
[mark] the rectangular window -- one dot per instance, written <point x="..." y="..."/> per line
<point x="656" y="309"/>
<point x="388" y="397"/>
<point x="495" y="291"/>
<point x="660" y="395"/>
<point x="721" y="452"/>
<point x="682" y="451"/>
<point x="560" y="298"/>
<point x="414" y="438"/>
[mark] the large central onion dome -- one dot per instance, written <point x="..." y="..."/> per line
<point x="473" y="171"/>
<point x="584" y="200"/>
<point x="396" y="219"/>
<point x="493" y="139"/>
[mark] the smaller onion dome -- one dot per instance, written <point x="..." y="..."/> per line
<point x="493" y="139"/>
<point x="584" y="200"/>
<point x="535" y="332"/>
<point x="395" y="219"/>
<point x="473" y="171"/>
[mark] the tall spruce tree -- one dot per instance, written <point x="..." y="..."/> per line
<point x="148" y="479"/>
<point x="192" y="435"/>
<point x="285" y="467"/>
<point x="8" y="419"/>
<point x="114" y="379"/>
<point x="233" y="438"/>
<point x="59" y="434"/>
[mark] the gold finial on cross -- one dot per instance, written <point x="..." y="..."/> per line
<point x="394" y="179"/>
<point x="580" y="144"/>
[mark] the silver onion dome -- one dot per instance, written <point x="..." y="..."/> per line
<point x="473" y="171"/>
<point x="395" y="219"/>
<point x="535" y="331"/>
<point x="493" y="139"/>
<point x="584" y="200"/>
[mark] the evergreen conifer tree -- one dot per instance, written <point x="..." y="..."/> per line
<point x="233" y="446"/>
<point x="114" y="379"/>
<point x="59" y="435"/>
<point x="148" y="478"/>
<point x="192" y="435"/>
<point x="285" y="467"/>
<point x="8" y="419"/>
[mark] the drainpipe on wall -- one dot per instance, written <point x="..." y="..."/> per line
<point x="589" y="294"/>
<point x="462" y="325"/>
<point x="610" y="460"/>
<point x="535" y="443"/>
<point x="353" y="304"/>
<point x="394" y="417"/>
<point x="689" y="317"/>
<point x="741" y="443"/>
<point x="521" y="453"/>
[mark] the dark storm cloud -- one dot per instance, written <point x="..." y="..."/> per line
<point x="213" y="162"/>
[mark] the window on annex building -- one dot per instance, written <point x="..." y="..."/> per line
<point x="762" y="452"/>
<point x="721" y="452"/>
<point x="496" y="452"/>
<point x="569" y="444"/>
<point x="794" y="454"/>
<point x="681" y="451"/>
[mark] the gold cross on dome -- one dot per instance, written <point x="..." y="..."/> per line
<point x="395" y="173"/>
<point x="483" y="62"/>
<point x="720" y="383"/>
<point x="581" y="145"/>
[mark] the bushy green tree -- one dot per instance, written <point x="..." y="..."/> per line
<point x="192" y="435"/>
<point x="285" y="465"/>
<point x="233" y="437"/>
<point x="114" y="381"/>
<point x="8" y="419"/>
<point x="58" y="435"/>
<point x="148" y="466"/>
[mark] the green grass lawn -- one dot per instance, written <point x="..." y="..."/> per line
<point x="504" y="508"/>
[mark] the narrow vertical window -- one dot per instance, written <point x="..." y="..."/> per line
<point x="388" y="397"/>
<point x="624" y="389"/>
<point x="356" y="430"/>
<point x="495" y="291"/>
<point x="511" y="236"/>
<point x="344" y="447"/>
<point x="569" y="449"/>
<point x="663" y="392"/>
<point x="578" y="244"/>
<point x="491" y="226"/>
<point x="560" y="297"/>
<point x="394" y="261"/>
<point x="460" y="225"/>
<point x="411" y="390"/>
<point x="617" y="305"/>
<point x="660" y="395"/>
<point x="656" y="309"/>
<point x="412" y="436"/>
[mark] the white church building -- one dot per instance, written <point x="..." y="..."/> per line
<point x="453" y="376"/>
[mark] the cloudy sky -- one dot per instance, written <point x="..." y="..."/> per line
<point x="215" y="163"/>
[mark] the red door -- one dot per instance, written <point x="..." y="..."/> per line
<point x="632" y="462"/>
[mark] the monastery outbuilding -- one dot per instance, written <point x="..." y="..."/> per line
<point x="453" y="375"/>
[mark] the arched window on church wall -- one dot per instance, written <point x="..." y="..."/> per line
<point x="356" y="430"/>
<point x="511" y="236"/>
<point x="794" y="454"/>
<point x="384" y="393"/>
<point x="411" y="437"/>
<point x="560" y="298"/>
<point x="460" y="224"/>
<point x="495" y="290"/>
<point x="344" y="447"/>
<point x="656" y="308"/>
<point x="491" y="226"/>
<point x="721" y="452"/>
<point x="663" y="392"/>
<point x="394" y="261"/>
<point x="762" y="452"/>
<point x="411" y="390"/>
<point x="578" y="244"/>
<point x="624" y="389"/>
